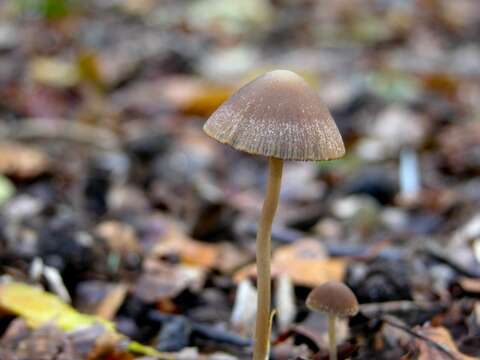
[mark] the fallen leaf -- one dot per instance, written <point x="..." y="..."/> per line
<point x="191" y="252"/>
<point x="22" y="161"/>
<point x="137" y="7"/>
<point x="457" y="143"/>
<point x="106" y="347"/>
<point x="165" y="281"/>
<point x="46" y="342"/>
<point x="304" y="262"/>
<point x="184" y="94"/>
<point x="120" y="237"/>
<point x="470" y="285"/>
<point x="441" y="83"/>
<point x="195" y="96"/>
<point x="230" y="258"/>
<point x="7" y="189"/>
<point x="53" y="72"/>
<point x="112" y="302"/>
<point x="229" y="16"/>
<point x="38" y="308"/>
<point x="441" y="336"/>
<point x="89" y="70"/>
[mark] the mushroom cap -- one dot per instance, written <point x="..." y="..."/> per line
<point x="333" y="297"/>
<point x="279" y="115"/>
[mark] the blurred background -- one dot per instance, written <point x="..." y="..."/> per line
<point x="114" y="200"/>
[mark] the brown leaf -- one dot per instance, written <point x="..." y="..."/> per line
<point x="120" y="237"/>
<point x="304" y="261"/>
<point x="440" y="336"/>
<point x="22" y="161"/>
<point x="191" y="252"/>
<point x="112" y="302"/>
<point x="106" y="347"/>
<point x="455" y="143"/>
<point x="230" y="258"/>
<point x="184" y="94"/>
<point x="88" y="69"/>
<point x="442" y="83"/>
<point x="470" y="285"/>
<point x="46" y="342"/>
<point x="165" y="281"/>
<point x="194" y="96"/>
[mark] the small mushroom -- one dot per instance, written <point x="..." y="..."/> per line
<point x="335" y="299"/>
<point x="279" y="116"/>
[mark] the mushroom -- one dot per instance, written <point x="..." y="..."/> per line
<point x="335" y="299"/>
<point x="279" y="116"/>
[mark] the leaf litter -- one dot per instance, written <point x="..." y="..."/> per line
<point x="111" y="197"/>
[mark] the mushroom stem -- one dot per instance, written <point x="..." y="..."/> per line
<point x="331" y="336"/>
<point x="262" y="329"/>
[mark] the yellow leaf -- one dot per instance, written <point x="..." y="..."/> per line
<point x="38" y="307"/>
<point x="53" y="72"/>
<point x="89" y="70"/>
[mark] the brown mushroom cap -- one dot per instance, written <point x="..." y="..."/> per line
<point x="277" y="115"/>
<point x="333" y="297"/>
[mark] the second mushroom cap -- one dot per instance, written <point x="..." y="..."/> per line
<point x="333" y="297"/>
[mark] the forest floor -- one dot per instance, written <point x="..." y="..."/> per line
<point x="127" y="233"/>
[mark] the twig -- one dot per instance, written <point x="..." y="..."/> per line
<point x="435" y="251"/>
<point x="61" y="129"/>
<point x="376" y="309"/>
<point x="202" y="330"/>
<point x="437" y="346"/>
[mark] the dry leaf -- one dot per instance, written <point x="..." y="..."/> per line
<point x="191" y="252"/>
<point x="120" y="237"/>
<point x="53" y="72"/>
<point x="184" y="94"/>
<point x="230" y="258"/>
<point x="442" y="83"/>
<point x="112" y="302"/>
<point x="175" y="243"/>
<point x="106" y="347"/>
<point x="137" y="7"/>
<point x="304" y="262"/>
<point x="22" y="161"/>
<point x="38" y="308"/>
<point x="455" y="143"/>
<point x="89" y="70"/>
<point x="470" y="285"/>
<point x="46" y="342"/>
<point x="165" y="281"/>
<point x="195" y="96"/>
<point x="442" y="337"/>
